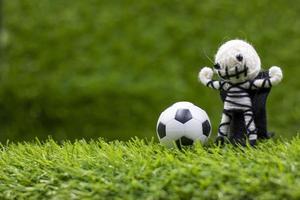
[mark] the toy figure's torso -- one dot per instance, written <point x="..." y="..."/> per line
<point x="237" y="96"/>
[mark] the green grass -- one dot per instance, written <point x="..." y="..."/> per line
<point x="145" y="170"/>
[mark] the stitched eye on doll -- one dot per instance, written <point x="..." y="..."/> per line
<point x="239" y="57"/>
<point x="217" y="66"/>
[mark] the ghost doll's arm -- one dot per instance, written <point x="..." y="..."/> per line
<point x="275" y="75"/>
<point x="205" y="77"/>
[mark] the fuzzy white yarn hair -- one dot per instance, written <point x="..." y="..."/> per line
<point x="227" y="55"/>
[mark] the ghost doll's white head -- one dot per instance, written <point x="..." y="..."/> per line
<point x="237" y="61"/>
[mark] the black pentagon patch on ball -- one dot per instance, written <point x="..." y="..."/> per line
<point x="206" y="128"/>
<point x="161" y="130"/>
<point x="183" y="115"/>
<point x="186" y="141"/>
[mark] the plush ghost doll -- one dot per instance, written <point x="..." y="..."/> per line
<point x="237" y="64"/>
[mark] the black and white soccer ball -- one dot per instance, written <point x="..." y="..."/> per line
<point x="182" y="124"/>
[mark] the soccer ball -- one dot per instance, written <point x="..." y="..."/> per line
<point x="182" y="124"/>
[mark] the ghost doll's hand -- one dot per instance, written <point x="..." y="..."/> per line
<point x="205" y="75"/>
<point x="275" y="74"/>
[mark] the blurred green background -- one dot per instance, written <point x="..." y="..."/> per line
<point x="85" y="69"/>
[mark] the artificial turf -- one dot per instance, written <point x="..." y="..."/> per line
<point x="139" y="169"/>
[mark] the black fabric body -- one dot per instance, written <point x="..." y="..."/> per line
<point x="237" y="125"/>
